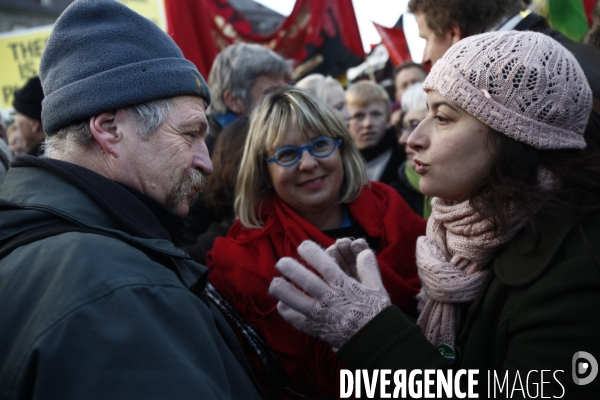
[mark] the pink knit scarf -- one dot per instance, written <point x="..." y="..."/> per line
<point x="451" y="258"/>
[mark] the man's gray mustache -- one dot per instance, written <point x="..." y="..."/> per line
<point x="193" y="181"/>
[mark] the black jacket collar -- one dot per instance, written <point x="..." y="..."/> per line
<point x="522" y="262"/>
<point x="140" y="215"/>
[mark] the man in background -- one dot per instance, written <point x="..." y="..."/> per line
<point x="405" y="76"/>
<point x="372" y="131"/>
<point x="238" y="79"/>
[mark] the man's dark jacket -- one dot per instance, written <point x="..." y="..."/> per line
<point x="117" y="315"/>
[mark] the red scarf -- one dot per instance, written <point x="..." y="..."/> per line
<point x="243" y="265"/>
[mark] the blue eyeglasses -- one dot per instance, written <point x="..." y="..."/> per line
<point x="290" y="155"/>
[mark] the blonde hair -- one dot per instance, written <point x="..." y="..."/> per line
<point x="363" y="93"/>
<point x="287" y="106"/>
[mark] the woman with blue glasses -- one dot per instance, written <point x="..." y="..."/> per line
<point x="302" y="177"/>
<point x="321" y="147"/>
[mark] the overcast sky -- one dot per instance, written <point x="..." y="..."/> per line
<point x="383" y="12"/>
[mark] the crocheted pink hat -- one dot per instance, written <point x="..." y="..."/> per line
<point x="522" y="84"/>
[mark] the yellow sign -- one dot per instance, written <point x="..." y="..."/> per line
<point x="154" y="10"/>
<point x="20" y="51"/>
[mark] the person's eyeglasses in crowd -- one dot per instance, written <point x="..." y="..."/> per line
<point x="289" y="155"/>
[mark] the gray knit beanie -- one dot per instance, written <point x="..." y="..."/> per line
<point x="102" y="56"/>
<point x="522" y="84"/>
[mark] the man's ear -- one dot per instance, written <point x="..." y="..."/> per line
<point x="456" y="33"/>
<point x="104" y="129"/>
<point x="36" y="128"/>
<point x="233" y="102"/>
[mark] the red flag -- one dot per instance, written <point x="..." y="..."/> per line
<point x="395" y="42"/>
<point x="190" y="26"/>
<point x="589" y="7"/>
<point x="319" y="35"/>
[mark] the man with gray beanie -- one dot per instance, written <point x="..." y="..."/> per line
<point x="96" y="300"/>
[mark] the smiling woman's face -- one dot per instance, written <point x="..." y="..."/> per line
<point x="452" y="152"/>
<point x="312" y="185"/>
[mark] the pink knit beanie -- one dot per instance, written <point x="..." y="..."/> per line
<point x="522" y="84"/>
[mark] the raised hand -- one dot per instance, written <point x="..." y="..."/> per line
<point x="345" y="251"/>
<point x="334" y="306"/>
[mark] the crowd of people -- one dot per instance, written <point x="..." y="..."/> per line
<point x="250" y="237"/>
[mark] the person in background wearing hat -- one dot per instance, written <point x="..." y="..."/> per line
<point x="510" y="263"/>
<point x="28" y="120"/>
<point x="96" y="302"/>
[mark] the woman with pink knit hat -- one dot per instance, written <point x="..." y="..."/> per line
<point x="510" y="264"/>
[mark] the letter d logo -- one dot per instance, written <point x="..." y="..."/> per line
<point x="582" y="367"/>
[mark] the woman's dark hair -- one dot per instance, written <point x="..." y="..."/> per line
<point x="513" y="181"/>
<point x="219" y="193"/>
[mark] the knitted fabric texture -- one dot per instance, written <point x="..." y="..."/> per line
<point x="102" y="56"/>
<point x="451" y="258"/>
<point x="341" y="304"/>
<point x="522" y="84"/>
<point x="28" y="99"/>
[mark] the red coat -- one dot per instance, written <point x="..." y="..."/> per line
<point x="243" y="265"/>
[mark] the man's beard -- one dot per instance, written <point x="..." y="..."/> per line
<point x="193" y="181"/>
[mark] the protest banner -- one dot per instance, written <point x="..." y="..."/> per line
<point x="154" y="10"/>
<point x="20" y="51"/>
